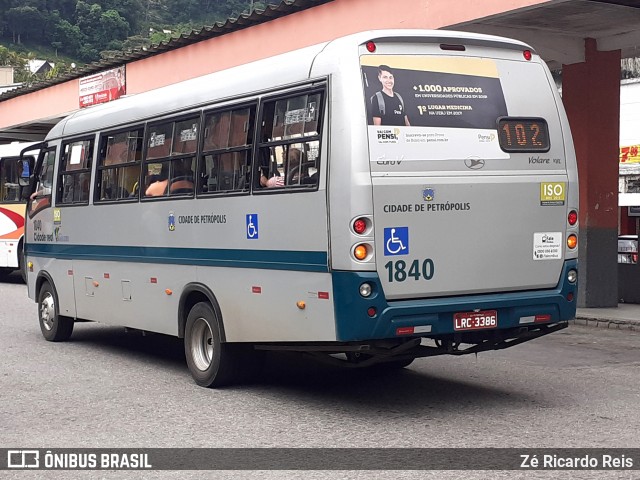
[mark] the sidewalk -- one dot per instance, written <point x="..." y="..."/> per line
<point x="625" y="317"/>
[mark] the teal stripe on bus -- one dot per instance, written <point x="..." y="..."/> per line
<point x="210" y="257"/>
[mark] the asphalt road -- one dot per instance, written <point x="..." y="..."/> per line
<point x="107" y="389"/>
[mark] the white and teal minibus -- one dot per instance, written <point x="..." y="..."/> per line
<point x="380" y="197"/>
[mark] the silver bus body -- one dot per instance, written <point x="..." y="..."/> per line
<point x="458" y="240"/>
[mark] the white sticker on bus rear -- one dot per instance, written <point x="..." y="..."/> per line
<point x="547" y="245"/>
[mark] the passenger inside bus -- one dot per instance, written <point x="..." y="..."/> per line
<point x="158" y="183"/>
<point x="83" y="187"/>
<point x="292" y="167"/>
<point x="182" y="181"/>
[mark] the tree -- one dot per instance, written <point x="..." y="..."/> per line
<point x="129" y="10"/>
<point x="111" y="27"/>
<point x="24" y="21"/>
<point x="66" y="37"/>
<point x="9" y="58"/>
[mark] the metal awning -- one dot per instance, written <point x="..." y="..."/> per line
<point x="557" y="29"/>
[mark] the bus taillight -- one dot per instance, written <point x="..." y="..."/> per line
<point x="360" y="252"/>
<point x="572" y="218"/>
<point x="527" y="54"/>
<point x="360" y="226"/>
<point x="371" y="47"/>
<point x="572" y="241"/>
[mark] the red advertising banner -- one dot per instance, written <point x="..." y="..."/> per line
<point x="102" y="87"/>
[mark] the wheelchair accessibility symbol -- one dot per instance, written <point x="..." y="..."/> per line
<point x="396" y="241"/>
<point x="252" y="226"/>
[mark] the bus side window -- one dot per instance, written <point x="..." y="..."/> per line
<point x="289" y="152"/>
<point x="9" y="186"/>
<point x="119" y="161"/>
<point x="75" y="172"/>
<point x="226" y="159"/>
<point x="169" y="166"/>
<point x="41" y="198"/>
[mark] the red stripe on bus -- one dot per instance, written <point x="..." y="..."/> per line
<point x="13" y="235"/>
<point x="13" y="216"/>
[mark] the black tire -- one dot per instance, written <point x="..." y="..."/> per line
<point x="54" y="327"/>
<point x="211" y="362"/>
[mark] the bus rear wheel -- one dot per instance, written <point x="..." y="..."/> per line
<point x="54" y="327"/>
<point x="210" y="361"/>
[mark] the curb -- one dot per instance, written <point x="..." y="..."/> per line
<point x="606" y="323"/>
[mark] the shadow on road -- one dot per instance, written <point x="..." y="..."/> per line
<point x="13" y="278"/>
<point x="300" y="378"/>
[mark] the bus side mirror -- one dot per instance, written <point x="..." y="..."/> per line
<point x="24" y="180"/>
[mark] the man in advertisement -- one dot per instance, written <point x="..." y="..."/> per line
<point x="387" y="106"/>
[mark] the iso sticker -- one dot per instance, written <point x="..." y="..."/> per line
<point x="552" y="193"/>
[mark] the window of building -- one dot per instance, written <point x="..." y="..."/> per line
<point x="170" y="164"/>
<point x="226" y="152"/>
<point x="119" y="161"/>
<point x="289" y="151"/>
<point x="74" y="177"/>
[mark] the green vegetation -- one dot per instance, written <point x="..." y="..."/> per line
<point x="84" y="31"/>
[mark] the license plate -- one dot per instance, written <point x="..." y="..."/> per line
<point x="475" y="320"/>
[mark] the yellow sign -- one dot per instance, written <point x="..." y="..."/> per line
<point x="552" y="193"/>
<point x="57" y="216"/>
<point x="630" y="154"/>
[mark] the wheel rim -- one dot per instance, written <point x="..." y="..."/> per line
<point x="47" y="311"/>
<point x="201" y="344"/>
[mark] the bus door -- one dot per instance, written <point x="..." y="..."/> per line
<point x="43" y="232"/>
<point x="470" y="180"/>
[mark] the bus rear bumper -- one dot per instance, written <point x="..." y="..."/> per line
<point x="523" y="311"/>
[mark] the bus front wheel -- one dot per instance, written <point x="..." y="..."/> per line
<point x="54" y="327"/>
<point x="210" y="361"/>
